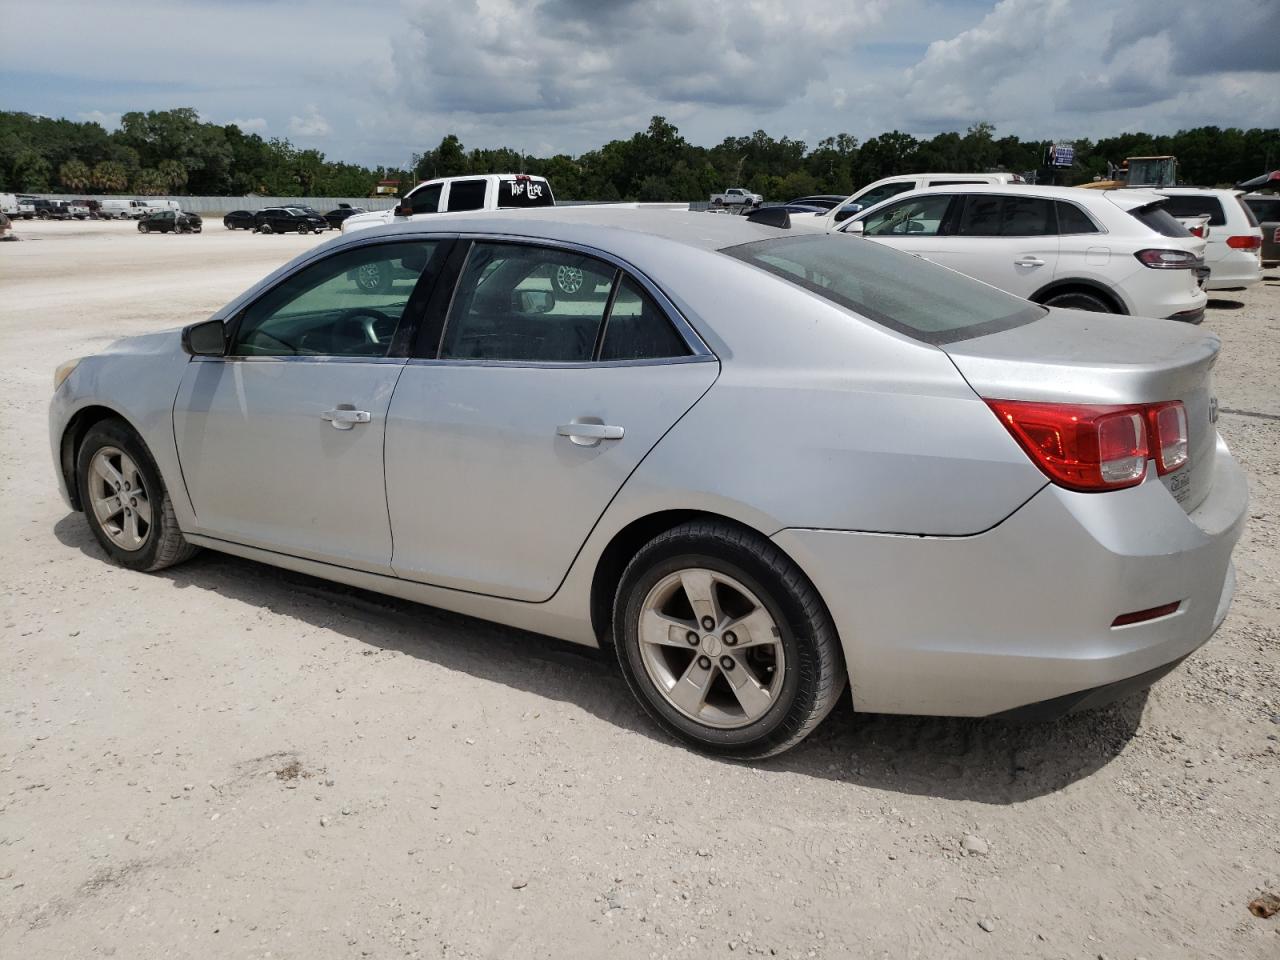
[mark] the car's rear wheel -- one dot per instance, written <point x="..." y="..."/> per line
<point x="264" y="228"/>
<point x="125" y="501"/>
<point x="724" y="641"/>
<point x="373" y="277"/>
<point x="304" y="229"/>
<point x="143" y="228"/>
<point x="1079" y="300"/>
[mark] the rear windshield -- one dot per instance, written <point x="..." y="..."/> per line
<point x="1264" y="208"/>
<point x="904" y="293"/>
<point x="521" y="193"/>
<point x="1191" y="206"/>
<point x="1155" y="216"/>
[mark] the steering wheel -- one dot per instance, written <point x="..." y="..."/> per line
<point x="368" y="319"/>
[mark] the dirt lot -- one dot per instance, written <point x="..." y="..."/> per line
<point x="225" y="760"/>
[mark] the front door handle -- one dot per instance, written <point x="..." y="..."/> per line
<point x="345" y="417"/>
<point x="589" y="434"/>
<point x="1028" y="262"/>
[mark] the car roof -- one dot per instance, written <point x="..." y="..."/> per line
<point x="1126" y="198"/>
<point x="615" y="228"/>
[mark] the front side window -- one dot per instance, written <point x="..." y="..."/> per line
<point x="427" y="199"/>
<point x="348" y="305"/>
<point x="466" y="195"/>
<point x="917" y="216"/>
<point x="895" y="289"/>
<point x="527" y="303"/>
<point x="883" y="192"/>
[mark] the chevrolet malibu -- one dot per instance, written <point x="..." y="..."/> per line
<point x="765" y="467"/>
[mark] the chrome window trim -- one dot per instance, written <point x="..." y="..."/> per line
<point x="554" y="364"/>
<point x="692" y="340"/>
<point x="299" y="358"/>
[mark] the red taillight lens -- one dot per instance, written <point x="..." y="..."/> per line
<point x="1167" y="259"/>
<point x="1079" y="446"/>
<point x="1167" y="424"/>
<point x="1244" y="243"/>
<point x="1199" y="230"/>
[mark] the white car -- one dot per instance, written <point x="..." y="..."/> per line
<point x="882" y="190"/>
<point x="490" y="191"/>
<point x="1234" y="253"/>
<point x="1114" y="251"/>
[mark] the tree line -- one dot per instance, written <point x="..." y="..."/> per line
<point x="175" y="152"/>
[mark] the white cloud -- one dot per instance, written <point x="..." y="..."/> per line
<point x="108" y="120"/>
<point x="252" y="125"/>
<point x="311" y="124"/>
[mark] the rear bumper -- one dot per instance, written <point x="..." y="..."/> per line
<point x="1239" y="268"/>
<point x="1020" y="616"/>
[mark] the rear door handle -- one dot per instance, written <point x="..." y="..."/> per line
<point x="589" y="434"/>
<point x="1028" y="262"/>
<point x="345" y="417"/>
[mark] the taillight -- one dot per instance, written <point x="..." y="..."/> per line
<point x="1167" y="425"/>
<point x="1199" y="230"/>
<point x="1090" y="447"/>
<point x="1244" y="243"/>
<point x="1167" y="259"/>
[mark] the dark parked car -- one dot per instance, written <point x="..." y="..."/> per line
<point x="52" y="209"/>
<point x="170" y="221"/>
<point x="335" y="217"/>
<point x="1266" y="207"/>
<point x="289" y="220"/>
<point x="239" y="220"/>
<point x="826" y="201"/>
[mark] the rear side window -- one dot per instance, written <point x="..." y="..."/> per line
<point x="1191" y="206"/>
<point x="993" y="216"/>
<point x="1155" y="216"/>
<point x="1071" y="219"/>
<point x="899" y="291"/>
<point x="466" y="195"/>
<point x="1248" y="214"/>
<point x="521" y="192"/>
<point x="637" y="329"/>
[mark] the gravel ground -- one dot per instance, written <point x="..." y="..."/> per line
<point x="229" y="760"/>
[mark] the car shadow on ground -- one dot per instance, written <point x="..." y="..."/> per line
<point x="987" y="761"/>
<point x="1225" y="305"/>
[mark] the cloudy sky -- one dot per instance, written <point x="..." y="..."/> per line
<point x="375" y="81"/>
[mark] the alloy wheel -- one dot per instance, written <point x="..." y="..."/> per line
<point x="119" y="498"/>
<point x="569" y="279"/>
<point x="711" y="648"/>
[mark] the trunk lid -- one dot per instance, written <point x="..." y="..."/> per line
<point x="1072" y="356"/>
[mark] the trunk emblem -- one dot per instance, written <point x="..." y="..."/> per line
<point x="1213" y="409"/>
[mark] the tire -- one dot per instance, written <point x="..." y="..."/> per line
<point x="792" y="651"/>
<point x="264" y="228"/>
<point x="160" y="543"/>
<point x="1078" y="300"/>
<point x="143" y="228"/>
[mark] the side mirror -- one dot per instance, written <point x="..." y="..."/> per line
<point x="404" y="209"/>
<point x="206" y="339"/>
<point x="845" y="212"/>
<point x="857" y="227"/>
<point x="533" y="301"/>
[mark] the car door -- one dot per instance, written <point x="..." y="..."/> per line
<point x="507" y="440"/>
<point x="912" y="224"/>
<point x="1007" y="240"/>
<point x="280" y="441"/>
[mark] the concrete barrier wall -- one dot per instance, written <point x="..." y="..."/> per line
<point x="217" y="206"/>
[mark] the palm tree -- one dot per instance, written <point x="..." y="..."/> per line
<point x="173" y="173"/>
<point x="74" y="175"/>
<point x="110" y="176"/>
<point x="148" y="183"/>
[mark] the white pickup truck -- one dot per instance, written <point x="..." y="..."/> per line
<point x="490" y="191"/>
<point x="14" y="206"/>
<point x="736" y="197"/>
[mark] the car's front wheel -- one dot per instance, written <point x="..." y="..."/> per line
<point x="264" y="228"/>
<point x="725" y="642"/>
<point x="143" y="228"/>
<point x="1079" y="300"/>
<point x="125" y="501"/>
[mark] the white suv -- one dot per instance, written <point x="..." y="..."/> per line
<point x="881" y="190"/>
<point x="1234" y="253"/>
<point x="1117" y="251"/>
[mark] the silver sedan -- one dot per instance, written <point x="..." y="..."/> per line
<point x="763" y="466"/>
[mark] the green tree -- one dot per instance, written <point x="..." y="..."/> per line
<point x="110" y="176"/>
<point x="75" y="175"/>
<point x="149" y="183"/>
<point x="173" y="173"/>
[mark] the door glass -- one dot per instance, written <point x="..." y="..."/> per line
<point x="1027" y="217"/>
<point x="466" y="195"/>
<point x="517" y="302"/>
<point x="980" y="217"/>
<point x="1071" y="219"/>
<point x="348" y="305"/>
<point x="883" y="192"/>
<point x="426" y="200"/>
<point x="919" y="216"/>
<point x="637" y="329"/>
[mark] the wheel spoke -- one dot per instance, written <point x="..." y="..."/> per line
<point x="699" y="587"/>
<point x="143" y="510"/>
<point x="753" y="698"/>
<point x="131" y="527"/>
<point x="690" y="691"/>
<point x="108" y="473"/>
<point x="664" y="631"/>
<point x="107" y="507"/>
<point x="754" y="630"/>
